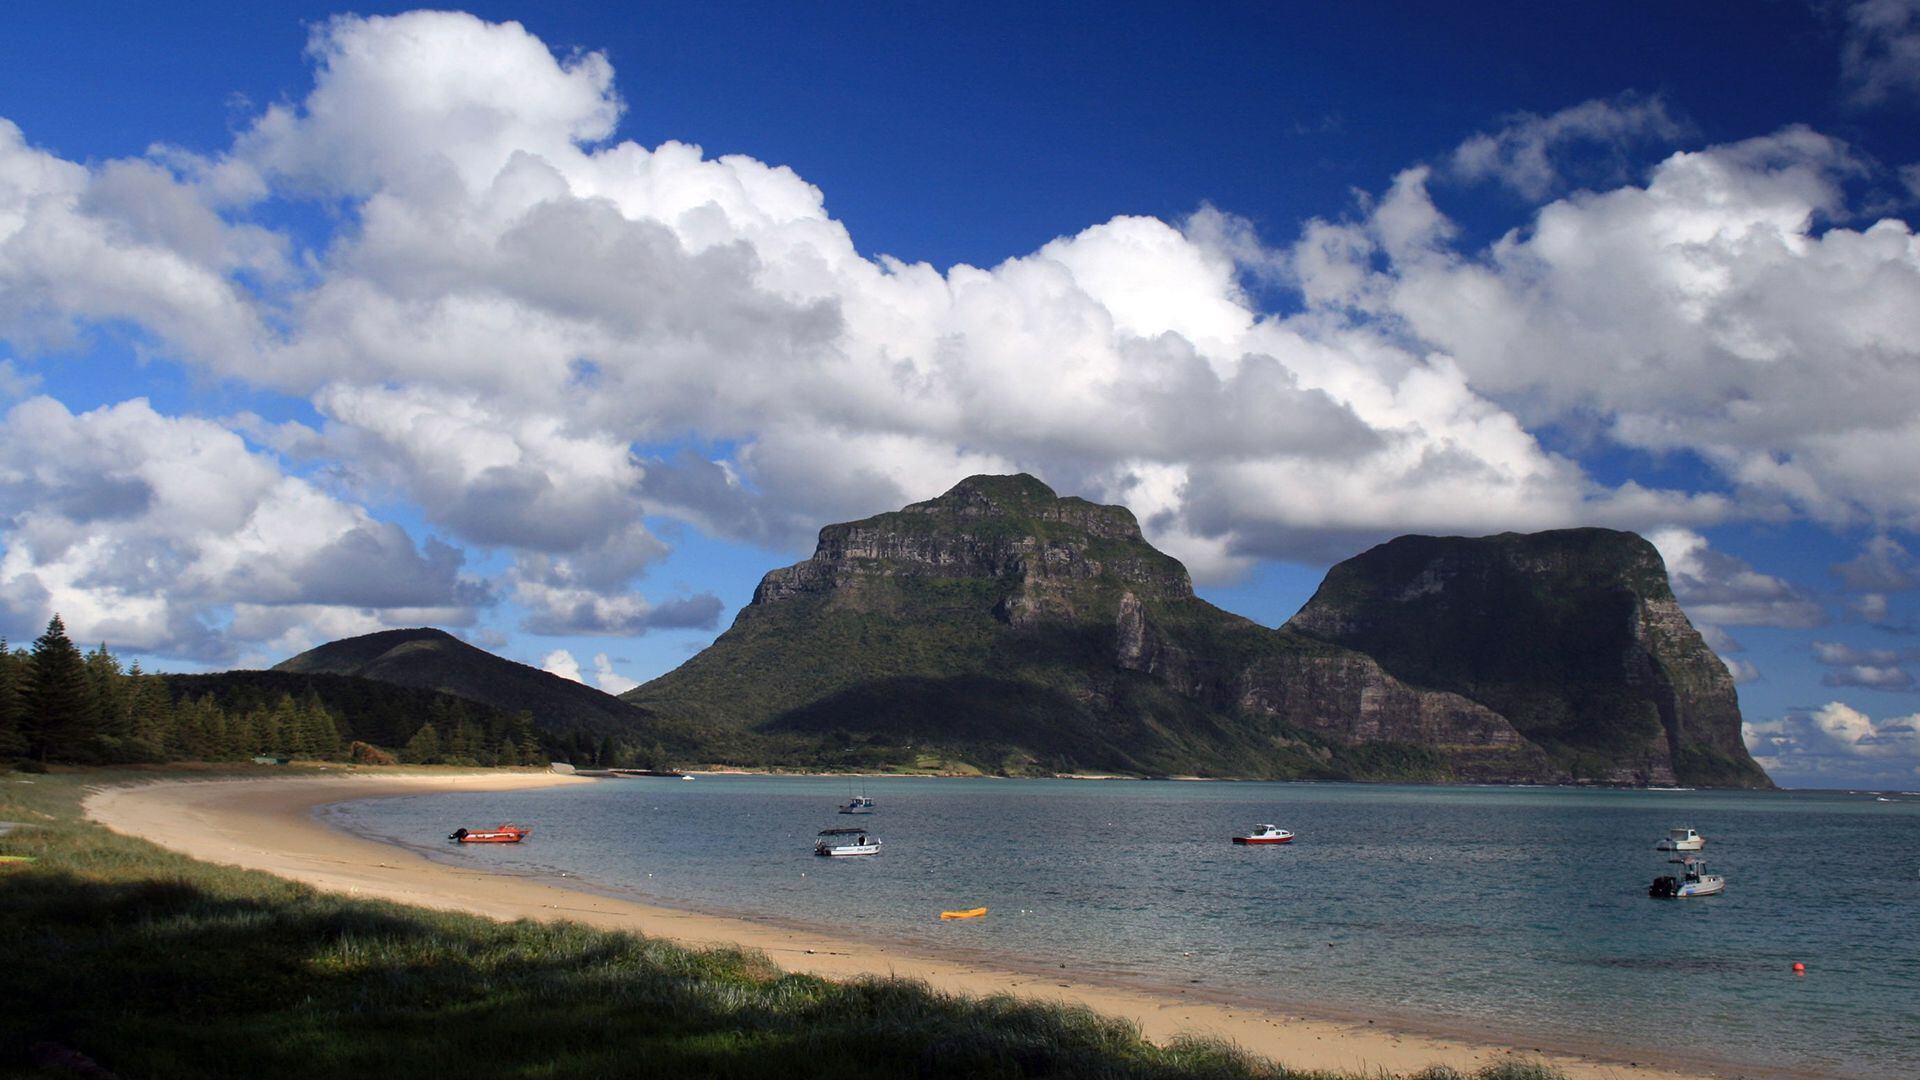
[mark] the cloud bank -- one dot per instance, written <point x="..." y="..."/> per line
<point x="1838" y="745"/>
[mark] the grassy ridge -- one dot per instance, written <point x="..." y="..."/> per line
<point x="148" y="963"/>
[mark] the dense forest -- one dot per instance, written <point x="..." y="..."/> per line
<point x="58" y="704"/>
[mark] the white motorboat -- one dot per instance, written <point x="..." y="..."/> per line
<point x="1681" y="839"/>
<point x="846" y="842"/>
<point x="1265" y="834"/>
<point x="1693" y="880"/>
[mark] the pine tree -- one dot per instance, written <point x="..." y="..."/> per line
<point x="152" y="710"/>
<point x="12" y="688"/>
<point x="528" y="740"/>
<point x="112" y="704"/>
<point x="60" y="721"/>
<point x="227" y="733"/>
<point x="188" y="736"/>
<point x="286" y="728"/>
<point x="202" y="731"/>
<point x="292" y="734"/>
<point x="223" y="733"/>
<point x="424" y="747"/>
<point x="257" y="732"/>
<point x="321" y="730"/>
<point x="105" y="684"/>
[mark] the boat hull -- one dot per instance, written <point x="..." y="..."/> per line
<point x="1263" y="839"/>
<point x="847" y="851"/>
<point x="489" y="836"/>
<point x="1681" y="845"/>
<point x="970" y="913"/>
<point x="1672" y="889"/>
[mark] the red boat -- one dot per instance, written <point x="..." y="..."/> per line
<point x="1265" y="834"/>
<point x="499" y="834"/>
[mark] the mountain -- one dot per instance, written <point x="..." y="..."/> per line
<point x="430" y="659"/>
<point x="1573" y="635"/>
<point x="1004" y="628"/>
<point x="987" y="629"/>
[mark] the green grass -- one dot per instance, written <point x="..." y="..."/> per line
<point x="152" y="964"/>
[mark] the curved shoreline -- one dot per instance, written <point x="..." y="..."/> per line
<point x="269" y="824"/>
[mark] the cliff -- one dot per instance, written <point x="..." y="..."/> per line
<point x="1004" y="628"/>
<point x="1573" y="636"/>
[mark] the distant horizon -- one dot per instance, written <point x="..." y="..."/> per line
<point x="558" y="328"/>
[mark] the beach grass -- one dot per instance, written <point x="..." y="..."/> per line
<point x="124" y="957"/>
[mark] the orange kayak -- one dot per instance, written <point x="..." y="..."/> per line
<point x="499" y="834"/>
<point x="970" y="913"/>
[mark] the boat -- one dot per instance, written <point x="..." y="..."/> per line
<point x="1692" y="881"/>
<point x="970" y="913"/>
<point x="1681" y="838"/>
<point x="1265" y="834"/>
<point x="846" y="842"/>
<point x="499" y="834"/>
<point x="859" y="804"/>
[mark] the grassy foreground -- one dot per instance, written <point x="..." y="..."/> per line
<point x="123" y="957"/>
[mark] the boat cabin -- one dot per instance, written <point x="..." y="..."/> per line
<point x="1682" y="838"/>
<point x="1265" y="834"/>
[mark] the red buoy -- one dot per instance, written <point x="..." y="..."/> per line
<point x="1799" y="968"/>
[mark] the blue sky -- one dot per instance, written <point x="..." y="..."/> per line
<point x="557" y="326"/>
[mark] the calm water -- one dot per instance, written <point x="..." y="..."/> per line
<point x="1515" y="912"/>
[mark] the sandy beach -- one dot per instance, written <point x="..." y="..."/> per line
<point x="268" y="824"/>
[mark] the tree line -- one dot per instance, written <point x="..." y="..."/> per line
<point x="59" y="705"/>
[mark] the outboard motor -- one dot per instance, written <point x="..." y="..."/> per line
<point x="1664" y="888"/>
<point x="457" y="834"/>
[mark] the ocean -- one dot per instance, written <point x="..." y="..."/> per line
<point x="1516" y="914"/>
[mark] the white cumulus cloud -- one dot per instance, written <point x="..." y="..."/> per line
<point x="1837" y="743"/>
<point x="523" y="305"/>
<point x="151" y="531"/>
<point x="561" y="662"/>
<point x="1711" y="311"/>
<point x="1530" y="152"/>
<point x="1722" y="590"/>
<point x="607" y="679"/>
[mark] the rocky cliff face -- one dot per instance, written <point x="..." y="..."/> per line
<point x="1573" y="636"/>
<point x="1004" y="627"/>
<point x="1012" y="530"/>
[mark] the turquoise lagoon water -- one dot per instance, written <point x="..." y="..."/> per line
<point x="1518" y="913"/>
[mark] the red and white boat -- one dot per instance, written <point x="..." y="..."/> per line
<point x="499" y="834"/>
<point x="1265" y="834"/>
